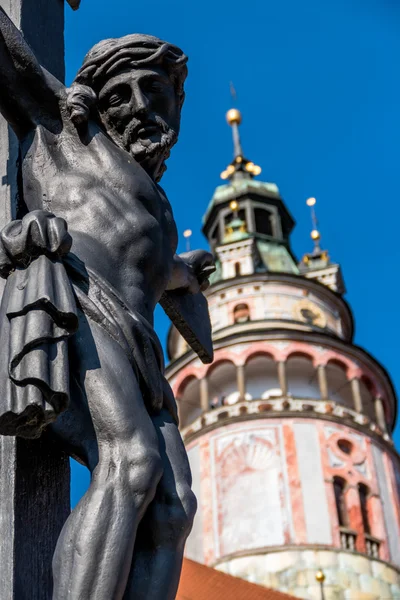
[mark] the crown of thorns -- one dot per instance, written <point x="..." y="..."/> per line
<point x="137" y="50"/>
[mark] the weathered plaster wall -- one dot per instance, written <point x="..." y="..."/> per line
<point x="268" y="483"/>
<point x="273" y="301"/>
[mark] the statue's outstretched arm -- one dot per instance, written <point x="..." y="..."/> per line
<point x="28" y="94"/>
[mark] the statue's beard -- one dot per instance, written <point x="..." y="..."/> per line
<point x="149" y="142"/>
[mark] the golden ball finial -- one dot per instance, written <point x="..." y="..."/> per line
<point x="233" y="116"/>
<point x="315" y="235"/>
<point x="320" y="576"/>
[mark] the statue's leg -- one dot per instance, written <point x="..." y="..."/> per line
<point x="167" y="522"/>
<point x="94" y="552"/>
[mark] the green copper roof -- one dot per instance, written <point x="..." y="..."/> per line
<point x="238" y="187"/>
<point x="276" y="258"/>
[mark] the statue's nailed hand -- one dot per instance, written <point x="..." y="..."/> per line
<point x="200" y="265"/>
<point x="39" y="232"/>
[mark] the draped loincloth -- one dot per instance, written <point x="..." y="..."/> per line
<point x="38" y="314"/>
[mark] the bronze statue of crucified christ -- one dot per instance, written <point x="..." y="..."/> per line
<point x="91" y="253"/>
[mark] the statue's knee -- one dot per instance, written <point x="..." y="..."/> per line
<point x="132" y="470"/>
<point x="143" y="471"/>
<point x="175" y="516"/>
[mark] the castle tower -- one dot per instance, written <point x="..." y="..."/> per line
<point x="288" y="432"/>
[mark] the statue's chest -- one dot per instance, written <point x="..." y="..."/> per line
<point x="96" y="187"/>
<point x="62" y="164"/>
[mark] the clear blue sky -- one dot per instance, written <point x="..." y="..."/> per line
<point x="319" y="88"/>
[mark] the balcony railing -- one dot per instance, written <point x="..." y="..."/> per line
<point x="372" y="546"/>
<point x="347" y="538"/>
<point x="275" y="407"/>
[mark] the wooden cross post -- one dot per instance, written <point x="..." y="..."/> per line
<point x="34" y="475"/>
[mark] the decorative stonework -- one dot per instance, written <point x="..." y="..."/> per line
<point x="242" y="461"/>
<point x="274" y="408"/>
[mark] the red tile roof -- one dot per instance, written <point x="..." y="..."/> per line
<point x="199" y="582"/>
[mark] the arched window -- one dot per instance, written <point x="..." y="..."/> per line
<point x="363" y="493"/>
<point x="188" y="400"/>
<point x="222" y="383"/>
<point x="339" y="387"/>
<point x="263" y="221"/>
<point x="261" y="373"/>
<point x="238" y="269"/>
<point x="214" y="236"/>
<point x="241" y="214"/>
<point x="241" y="313"/>
<point x="339" y="486"/>
<point x="367" y="397"/>
<point x="302" y="377"/>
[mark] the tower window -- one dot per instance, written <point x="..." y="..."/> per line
<point x="345" y="446"/>
<point x="363" y="492"/>
<point x="339" y="486"/>
<point x="241" y="313"/>
<point x="241" y="214"/>
<point x="263" y="221"/>
<point x="214" y="236"/>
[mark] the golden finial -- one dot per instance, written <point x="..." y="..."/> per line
<point x="239" y="165"/>
<point x="234" y="116"/>
<point x="187" y="234"/>
<point x="320" y="576"/>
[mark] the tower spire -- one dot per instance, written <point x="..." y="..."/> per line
<point x="240" y="167"/>
<point x="315" y="234"/>
<point x="317" y="264"/>
<point x="234" y="119"/>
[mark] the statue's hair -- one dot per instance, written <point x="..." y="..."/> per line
<point x="109" y="56"/>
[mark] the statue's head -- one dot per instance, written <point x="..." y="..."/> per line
<point x="136" y="85"/>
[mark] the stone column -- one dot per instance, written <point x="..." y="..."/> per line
<point x="380" y="414"/>
<point x="204" y="398"/>
<point x="241" y="381"/>
<point x="34" y="475"/>
<point x="355" y="388"/>
<point x="282" y="377"/>
<point x="323" y="383"/>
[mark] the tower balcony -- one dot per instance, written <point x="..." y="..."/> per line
<point x="263" y="302"/>
<point x="278" y="408"/>
<point x="284" y="373"/>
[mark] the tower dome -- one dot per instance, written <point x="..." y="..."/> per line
<point x="289" y="431"/>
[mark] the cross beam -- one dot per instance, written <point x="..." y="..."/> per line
<point x="34" y="475"/>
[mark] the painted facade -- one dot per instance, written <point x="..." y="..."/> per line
<point x="288" y="432"/>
